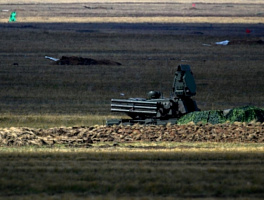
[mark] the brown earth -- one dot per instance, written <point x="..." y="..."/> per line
<point x="87" y="136"/>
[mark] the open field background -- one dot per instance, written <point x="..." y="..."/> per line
<point x="226" y="76"/>
<point x="150" y="39"/>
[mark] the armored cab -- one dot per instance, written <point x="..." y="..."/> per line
<point x="156" y="109"/>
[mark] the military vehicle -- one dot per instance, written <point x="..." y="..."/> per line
<point x="156" y="109"/>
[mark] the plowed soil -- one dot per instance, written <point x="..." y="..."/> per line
<point x="87" y="136"/>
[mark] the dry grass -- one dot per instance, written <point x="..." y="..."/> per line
<point x="134" y="1"/>
<point x="191" y="170"/>
<point x="136" y="12"/>
<point x="227" y="20"/>
<point x="49" y="121"/>
<point x="155" y="148"/>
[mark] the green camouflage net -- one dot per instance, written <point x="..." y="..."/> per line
<point x="246" y="114"/>
<point x="241" y="114"/>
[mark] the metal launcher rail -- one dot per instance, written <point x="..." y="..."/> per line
<point x="134" y="106"/>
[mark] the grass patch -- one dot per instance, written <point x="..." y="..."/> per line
<point x="212" y="170"/>
<point x="49" y="121"/>
<point x="137" y="147"/>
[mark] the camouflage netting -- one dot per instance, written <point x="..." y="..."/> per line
<point x="246" y="114"/>
<point x="241" y="114"/>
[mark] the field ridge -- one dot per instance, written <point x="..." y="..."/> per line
<point x="86" y="136"/>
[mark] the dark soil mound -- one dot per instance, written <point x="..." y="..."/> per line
<point x="73" y="60"/>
